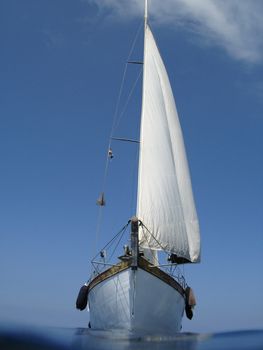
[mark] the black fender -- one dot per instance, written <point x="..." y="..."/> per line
<point x="82" y="299"/>
<point x="189" y="302"/>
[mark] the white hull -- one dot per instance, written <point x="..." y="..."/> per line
<point x="136" y="300"/>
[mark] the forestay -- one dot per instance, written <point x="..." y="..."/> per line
<point x="165" y="202"/>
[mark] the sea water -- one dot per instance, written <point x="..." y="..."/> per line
<point x="82" y="338"/>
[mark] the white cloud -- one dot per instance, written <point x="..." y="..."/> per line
<point x="235" y="25"/>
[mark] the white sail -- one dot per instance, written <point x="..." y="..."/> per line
<point x="165" y="202"/>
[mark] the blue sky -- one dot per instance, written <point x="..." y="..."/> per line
<point x="61" y="66"/>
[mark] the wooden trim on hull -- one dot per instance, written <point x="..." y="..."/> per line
<point x="144" y="265"/>
<point x="109" y="273"/>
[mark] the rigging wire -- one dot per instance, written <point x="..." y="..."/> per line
<point x="113" y="239"/>
<point x="113" y="128"/>
<point x="114" y="250"/>
<point x="114" y="125"/>
<point x="182" y="274"/>
<point x="127" y="101"/>
<point x="152" y="252"/>
<point x="156" y="240"/>
<point x="121" y="233"/>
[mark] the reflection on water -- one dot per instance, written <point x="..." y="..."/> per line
<point x="80" y="339"/>
<point x="128" y="341"/>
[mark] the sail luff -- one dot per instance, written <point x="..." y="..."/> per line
<point x="165" y="201"/>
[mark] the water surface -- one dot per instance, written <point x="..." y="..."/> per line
<point x="82" y="338"/>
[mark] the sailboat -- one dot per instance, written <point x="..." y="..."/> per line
<point x="137" y="293"/>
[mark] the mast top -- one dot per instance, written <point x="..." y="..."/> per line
<point x="145" y="12"/>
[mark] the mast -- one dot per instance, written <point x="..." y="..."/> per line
<point x="134" y="220"/>
<point x="134" y="242"/>
<point x="143" y="83"/>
